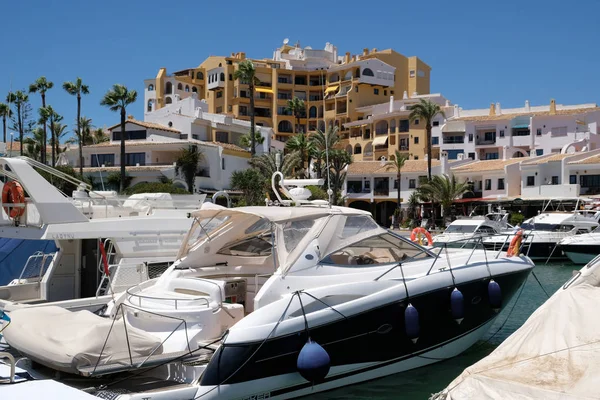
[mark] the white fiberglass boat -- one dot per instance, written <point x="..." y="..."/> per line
<point x="466" y="232"/>
<point x="583" y="248"/>
<point x="332" y="299"/>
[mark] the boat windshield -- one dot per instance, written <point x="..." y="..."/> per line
<point x="256" y="246"/>
<point x="547" y="227"/>
<point x="460" y="228"/>
<point x="380" y="249"/>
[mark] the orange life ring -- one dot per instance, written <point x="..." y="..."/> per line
<point x="417" y="236"/>
<point x="515" y="244"/>
<point x="13" y="193"/>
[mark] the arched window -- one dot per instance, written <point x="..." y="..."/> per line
<point x="222" y="77"/>
<point x="168" y="88"/>
<point x="381" y="127"/>
<point x="199" y="75"/>
<point x="348" y="76"/>
<point x="312" y="112"/>
<point x="150" y="87"/>
<point x="369" y="149"/>
<point x="194" y="89"/>
<point x="168" y="100"/>
<point x="187" y="88"/>
<point x="149" y="105"/>
<point x="285" y="126"/>
<point x="220" y="65"/>
<point x="357" y="73"/>
<point x="368" y="72"/>
<point x="357" y="149"/>
<point x="179" y="86"/>
<point x="349" y="149"/>
<point x="334" y="77"/>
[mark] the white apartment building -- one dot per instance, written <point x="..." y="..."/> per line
<point x="496" y="133"/>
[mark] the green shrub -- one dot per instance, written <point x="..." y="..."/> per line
<point x="516" y="219"/>
<point x="155" y="187"/>
<point x="317" y="193"/>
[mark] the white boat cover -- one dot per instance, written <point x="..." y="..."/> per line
<point x="65" y="340"/>
<point x="554" y="355"/>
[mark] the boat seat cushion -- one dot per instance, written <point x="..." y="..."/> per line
<point x="65" y="340"/>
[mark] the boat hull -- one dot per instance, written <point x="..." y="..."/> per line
<point x="535" y="250"/>
<point x="581" y="254"/>
<point x="359" y="348"/>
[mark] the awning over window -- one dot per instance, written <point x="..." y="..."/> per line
<point x="380" y="140"/>
<point x="521" y="126"/>
<point x="454" y="126"/>
<point x="332" y="89"/>
<point x="263" y="90"/>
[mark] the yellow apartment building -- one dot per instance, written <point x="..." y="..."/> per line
<point x="335" y="88"/>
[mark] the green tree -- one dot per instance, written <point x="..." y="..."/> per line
<point x="77" y="88"/>
<point x="59" y="131"/>
<point x="48" y="114"/>
<point x="246" y="73"/>
<point x="99" y="136"/>
<point x="321" y="141"/>
<point x="413" y="202"/>
<point x="304" y="147"/>
<point x="154" y="187"/>
<point x="297" y="107"/>
<point x="42" y="85"/>
<point x="117" y="99"/>
<point x="246" y="140"/>
<point x="34" y="144"/>
<point x="444" y="190"/>
<point x="397" y="164"/>
<point x="188" y="164"/>
<point x="115" y="181"/>
<point x="266" y="164"/>
<point x="5" y="112"/>
<point x="252" y="185"/>
<point x="425" y="111"/>
<point x="338" y="161"/>
<point x="20" y="99"/>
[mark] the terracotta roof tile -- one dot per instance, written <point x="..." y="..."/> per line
<point x="128" y="143"/>
<point x="589" y="160"/>
<point x="128" y="168"/>
<point x="482" y="118"/>
<point x="549" y="158"/>
<point x="487" y="165"/>
<point x="372" y="167"/>
<point x="151" y="125"/>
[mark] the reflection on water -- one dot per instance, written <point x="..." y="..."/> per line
<point x="422" y="382"/>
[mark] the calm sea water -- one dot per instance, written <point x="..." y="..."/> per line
<point x="422" y="382"/>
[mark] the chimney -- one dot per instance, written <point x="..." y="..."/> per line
<point x="405" y="95"/>
<point x="527" y="107"/>
<point x="444" y="162"/>
<point x="492" y="109"/>
<point x="456" y="111"/>
<point x="498" y="109"/>
<point x="504" y="152"/>
<point x="347" y="59"/>
<point x="374" y="50"/>
<point x="365" y="52"/>
<point x="415" y="94"/>
<point x="130" y="117"/>
<point x="391" y="104"/>
<point x="552" y="107"/>
<point x="447" y="103"/>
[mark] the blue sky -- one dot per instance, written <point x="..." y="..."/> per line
<point x="479" y="51"/>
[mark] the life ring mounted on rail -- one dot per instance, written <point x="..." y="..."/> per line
<point x="13" y="193"/>
<point x="418" y="234"/>
<point x="515" y="244"/>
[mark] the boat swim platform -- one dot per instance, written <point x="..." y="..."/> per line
<point x="47" y="389"/>
<point x="198" y="357"/>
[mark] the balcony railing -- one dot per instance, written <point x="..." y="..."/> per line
<point x="484" y="142"/>
<point x="263" y="84"/>
<point x="403" y="148"/>
<point x="381" y="131"/>
<point x="453" y="140"/>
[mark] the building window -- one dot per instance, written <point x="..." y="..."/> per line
<point x="416" y="140"/>
<point x="133" y="159"/>
<point x="539" y="152"/>
<point x="396" y="184"/>
<point x="491" y="156"/>
<point x="385" y="92"/>
<point x="559" y="131"/>
<point x="488" y="184"/>
<point x="555" y="180"/>
<point x="168" y="100"/>
<point x="168" y="88"/>
<point x="367" y="187"/>
<point x="179" y="86"/>
<point x="415" y="157"/>
<point x="538" y="132"/>
<point x="99" y="160"/>
<point x="356" y="89"/>
<point x="354" y="186"/>
<point x="222" y="77"/>
<point x="416" y="121"/>
<point x="404" y="125"/>
<point x="368" y="72"/>
<point x="501" y="184"/>
<point x="472" y="156"/>
<point x="223" y="163"/>
<point x="412" y="183"/>
<point x="470" y="137"/>
<point x="435" y="123"/>
<point x="230" y="77"/>
<point x="129" y="135"/>
<point x="194" y="89"/>
<point x="150" y="87"/>
<point x="219" y="109"/>
<point x="375" y="91"/>
<point x="357" y="149"/>
<point x="187" y="88"/>
<point x="219" y="94"/>
<point x="435" y="140"/>
<point x="573" y="179"/>
<point x="531" y="180"/>
<point x="502" y="133"/>
<point x="412" y="73"/>
<point x="229" y="62"/>
<point x="244" y="110"/>
<point x="229" y="108"/>
<point x="199" y="75"/>
<point x="222" y="137"/>
<point x="149" y="105"/>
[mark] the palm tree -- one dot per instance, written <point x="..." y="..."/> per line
<point x="413" y="202"/>
<point x="99" y="136"/>
<point x="77" y="88"/>
<point x="5" y="112"/>
<point x="397" y="164"/>
<point x="338" y="161"/>
<point x="246" y="73"/>
<point x="187" y="163"/>
<point x="48" y="114"/>
<point x="296" y="106"/>
<point x="117" y="99"/>
<point x="86" y="130"/>
<point x="425" y="111"/>
<point x="42" y="85"/>
<point x="304" y="147"/>
<point x="58" y="132"/>
<point x="252" y="185"/>
<point x="18" y="98"/>
<point x="266" y="164"/>
<point x="444" y="190"/>
<point x="33" y="145"/>
<point x="246" y="140"/>
<point x="320" y="142"/>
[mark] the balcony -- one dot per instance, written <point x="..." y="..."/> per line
<point x="203" y="172"/>
<point x="314" y="82"/>
<point x="263" y="84"/>
<point x="453" y="139"/>
<point x="284" y="80"/>
<point x="381" y="131"/>
<point x="216" y="78"/>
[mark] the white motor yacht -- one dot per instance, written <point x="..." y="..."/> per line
<point x="465" y="232"/>
<point x="583" y="248"/>
<point x="140" y="235"/>
<point x="274" y="302"/>
<point x="544" y="232"/>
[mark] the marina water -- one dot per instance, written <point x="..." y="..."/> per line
<point x="419" y="384"/>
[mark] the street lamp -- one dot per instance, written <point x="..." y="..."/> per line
<point x="11" y="143"/>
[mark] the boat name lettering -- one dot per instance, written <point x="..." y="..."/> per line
<point x="63" y="236"/>
<point x="259" y="396"/>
